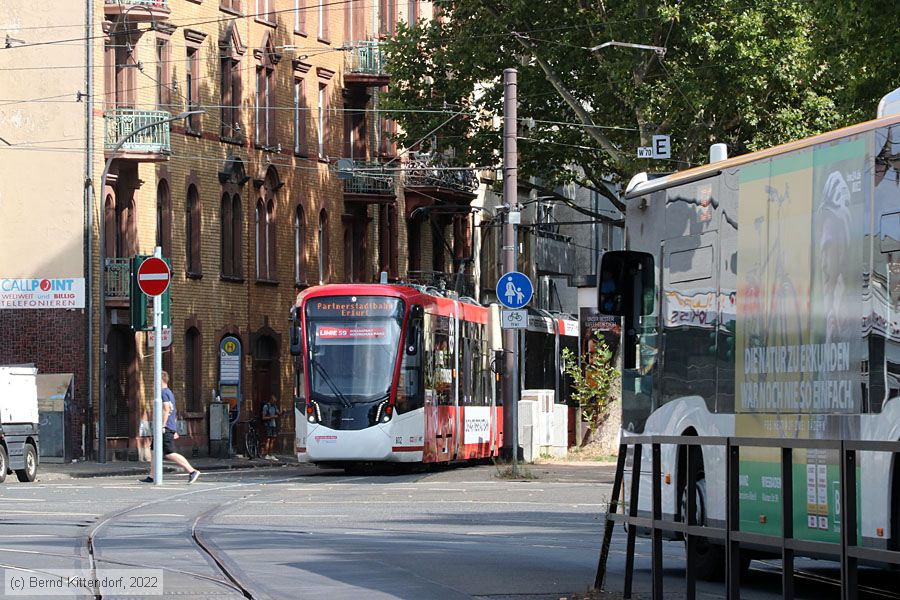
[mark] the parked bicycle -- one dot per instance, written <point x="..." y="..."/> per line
<point x="251" y="439"/>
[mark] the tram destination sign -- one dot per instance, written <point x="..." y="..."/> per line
<point x="353" y="307"/>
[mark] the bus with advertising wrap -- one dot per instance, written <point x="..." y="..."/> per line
<point x="760" y="297"/>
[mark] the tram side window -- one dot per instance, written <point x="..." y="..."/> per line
<point x="410" y="391"/>
<point x="465" y="366"/>
<point x="441" y="362"/>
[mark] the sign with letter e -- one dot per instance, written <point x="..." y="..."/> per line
<point x="662" y="146"/>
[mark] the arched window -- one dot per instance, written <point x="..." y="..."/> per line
<point x="192" y="231"/>
<point x="323" y="247"/>
<point x="262" y="242"/>
<point x="193" y="374"/>
<point x="231" y="235"/>
<point x="299" y="266"/>
<point x="230" y="51"/>
<point x="164" y="218"/>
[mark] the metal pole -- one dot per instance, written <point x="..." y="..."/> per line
<point x="510" y="201"/>
<point x="157" y="385"/>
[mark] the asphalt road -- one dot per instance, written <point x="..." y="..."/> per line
<point x="299" y="532"/>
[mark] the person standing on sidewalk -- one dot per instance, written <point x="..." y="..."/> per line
<point x="270" y="414"/>
<point x="170" y="434"/>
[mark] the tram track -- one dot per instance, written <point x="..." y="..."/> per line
<point x="229" y="579"/>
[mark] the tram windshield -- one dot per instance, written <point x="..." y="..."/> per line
<point x="353" y="346"/>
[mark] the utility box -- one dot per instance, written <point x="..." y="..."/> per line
<point x="218" y="429"/>
<point x="54" y="396"/>
<point x="543" y="425"/>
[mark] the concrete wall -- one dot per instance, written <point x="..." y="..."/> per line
<point x="41" y="174"/>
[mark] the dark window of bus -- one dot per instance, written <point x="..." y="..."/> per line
<point x="410" y="390"/>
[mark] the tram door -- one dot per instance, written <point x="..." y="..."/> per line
<point x="440" y="383"/>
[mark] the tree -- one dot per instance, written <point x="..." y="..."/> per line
<point x="746" y="74"/>
<point x="862" y="39"/>
<point x="592" y="381"/>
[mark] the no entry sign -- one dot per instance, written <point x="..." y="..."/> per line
<point x="153" y="276"/>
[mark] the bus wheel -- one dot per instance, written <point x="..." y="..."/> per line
<point x="708" y="558"/>
<point x="4" y="463"/>
<point x="30" y="471"/>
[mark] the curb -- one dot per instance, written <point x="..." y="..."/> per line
<point x="142" y="469"/>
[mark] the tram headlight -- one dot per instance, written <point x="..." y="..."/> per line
<point x="385" y="412"/>
<point x="312" y="412"/>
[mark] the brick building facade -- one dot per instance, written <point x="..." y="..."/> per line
<point x="285" y="177"/>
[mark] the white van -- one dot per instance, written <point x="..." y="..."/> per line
<point x="18" y="422"/>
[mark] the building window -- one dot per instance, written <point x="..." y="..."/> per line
<point x="323" y="247"/>
<point x="300" y="16"/>
<point x="193" y="382"/>
<point x="299" y="270"/>
<point x="164" y="219"/>
<point x="192" y="232"/>
<point x="264" y="90"/>
<point x="231" y="89"/>
<point x="322" y="118"/>
<point x="414" y="244"/>
<point x="264" y="10"/>
<point x="230" y="235"/>
<point x="388" y="14"/>
<point x="231" y="5"/>
<point x="323" y="21"/>
<point x="299" y="118"/>
<point x="265" y="240"/>
<point x="412" y="14"/>
<point x="192" y="86"/>
<point x="163" y="74"/>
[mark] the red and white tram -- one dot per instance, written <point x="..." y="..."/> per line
<point x="393" y="373"/>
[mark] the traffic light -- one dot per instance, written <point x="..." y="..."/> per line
<point x="141" y="305"/>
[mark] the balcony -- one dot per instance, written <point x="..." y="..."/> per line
<point x="431" y="180"/>
<point x="365" y="65"/>
<point x="461" y="283"/>
<point x="367" y="182"/>
<point x="151" y="144"/>
<point x="138" y="10"/>
<point x="118" y="281"/>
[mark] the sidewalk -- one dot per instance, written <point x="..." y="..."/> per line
<point x="87" y="469"/>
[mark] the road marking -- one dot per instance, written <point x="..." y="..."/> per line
<point x="61" y="514"/>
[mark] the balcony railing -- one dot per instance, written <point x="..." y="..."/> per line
<point x="118" y="278"/>
<point x="366" y="58"/>
<point x="431" y="172"/>
<point x="123" y="122"/>
<point x="461" y="283"/>
<point x="368" y="178"/>
<point x="138" y="10"/>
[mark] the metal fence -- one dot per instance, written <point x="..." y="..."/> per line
<point x="121" y="123"/>
<point x="369" y="178"/>
<point x="847" y="551"/>
<point x="151" y="3"/>
<point x="366" y="57"/>
<point x="118" y="278"/>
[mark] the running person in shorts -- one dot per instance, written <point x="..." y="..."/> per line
<point x="170" y="434"/>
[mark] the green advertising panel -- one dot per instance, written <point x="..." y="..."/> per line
<point x="798" y="334"/>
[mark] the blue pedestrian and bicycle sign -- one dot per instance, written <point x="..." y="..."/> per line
<point x="514" y="290"/>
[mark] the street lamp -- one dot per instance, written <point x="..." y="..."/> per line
<point x="101" y="424"/>
<point x="660" y="50"/>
